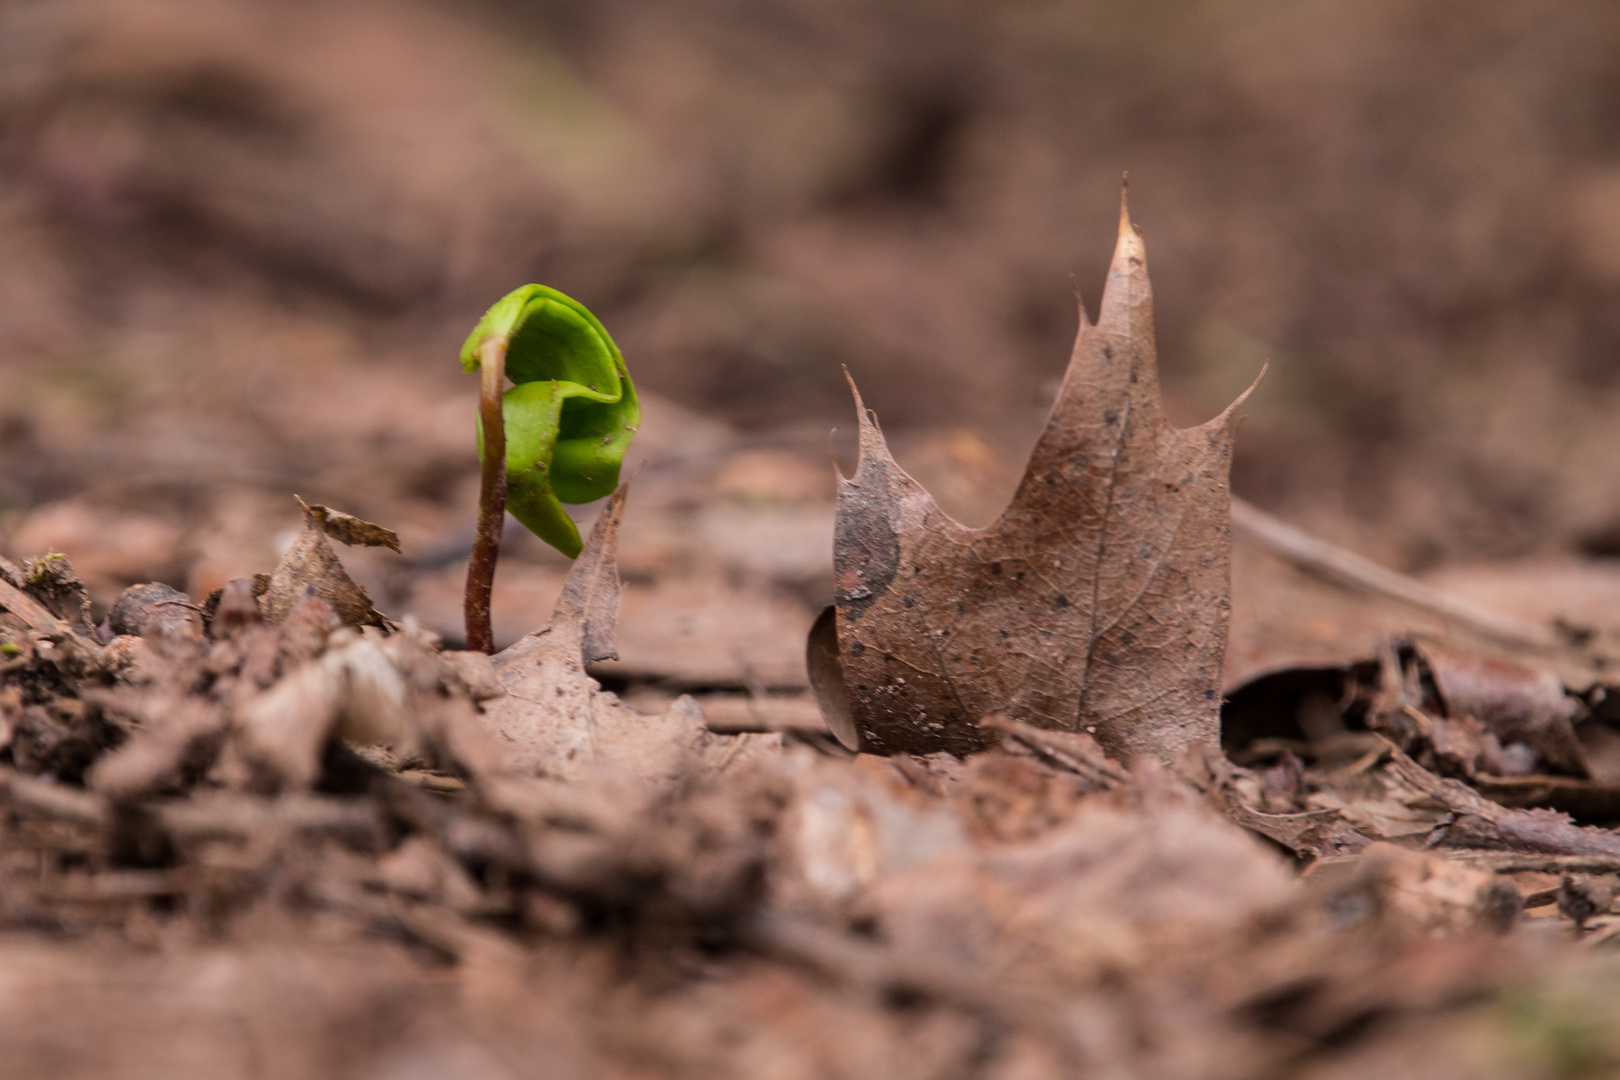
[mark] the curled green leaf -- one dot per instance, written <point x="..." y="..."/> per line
<point x="569" y="418"/>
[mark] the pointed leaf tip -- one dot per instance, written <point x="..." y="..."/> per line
<point x="589" y="603"/>
<point x="860" y="407"/>
<point x="1130" y="240"/>
<point x="1079" y="303"/>
<point x="1241" y="398"/>
<point x="871" y="436"/>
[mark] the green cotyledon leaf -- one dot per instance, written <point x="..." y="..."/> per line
<point x="571" y="415"/>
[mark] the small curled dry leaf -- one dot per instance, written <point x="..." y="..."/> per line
<point x="348" y="529"/>
<point x="310" y="562"/>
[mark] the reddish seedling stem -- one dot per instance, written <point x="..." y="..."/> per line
<point x="491" y="496"/>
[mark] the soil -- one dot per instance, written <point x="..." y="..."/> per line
<point x="240" y="243"/>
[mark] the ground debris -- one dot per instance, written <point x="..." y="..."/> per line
<point x="554" y="720"/>
<point x="294" y="847"/>
<point x="310" y="565"/>
<point x="543" y="872"/>
<point x="520" y="848"/>
<point x="155" y="608"/>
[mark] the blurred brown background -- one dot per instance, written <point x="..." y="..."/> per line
<point x="240" y="243"/>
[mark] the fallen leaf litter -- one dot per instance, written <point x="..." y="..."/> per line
<point x="372" y="849"/>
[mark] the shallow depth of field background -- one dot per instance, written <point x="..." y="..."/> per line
<point x="240" y="243"/>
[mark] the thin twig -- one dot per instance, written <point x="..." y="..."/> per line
<point x="1073" y="751"/>
<point x="491" y="496"/>
<point x="29" y="610"/>
<point x="1517" y="862"/>
<point x="1347" y="568"/>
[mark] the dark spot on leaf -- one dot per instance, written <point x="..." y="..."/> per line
<point x="867" y="553"/>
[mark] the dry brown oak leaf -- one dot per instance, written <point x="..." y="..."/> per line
<point x="1097" y="602"/>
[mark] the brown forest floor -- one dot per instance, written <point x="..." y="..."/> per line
<point x="240" y="242"/>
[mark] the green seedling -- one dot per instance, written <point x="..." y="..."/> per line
<point x="559" y="435"/>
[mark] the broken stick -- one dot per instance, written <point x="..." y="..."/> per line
<point x="1347" y="568"/>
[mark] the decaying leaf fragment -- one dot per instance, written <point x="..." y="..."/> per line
<point x="311" y="562"/>
<point x="553" y="719"/>
<point x="1514" y="701"/>
<point x="349" y="529"/>
<point x="1097" y="602"/>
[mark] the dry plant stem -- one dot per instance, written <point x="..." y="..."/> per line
<point x="1347" y="568"/>
<point x="29" y="610"/>
<point x="491" y="497"/>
